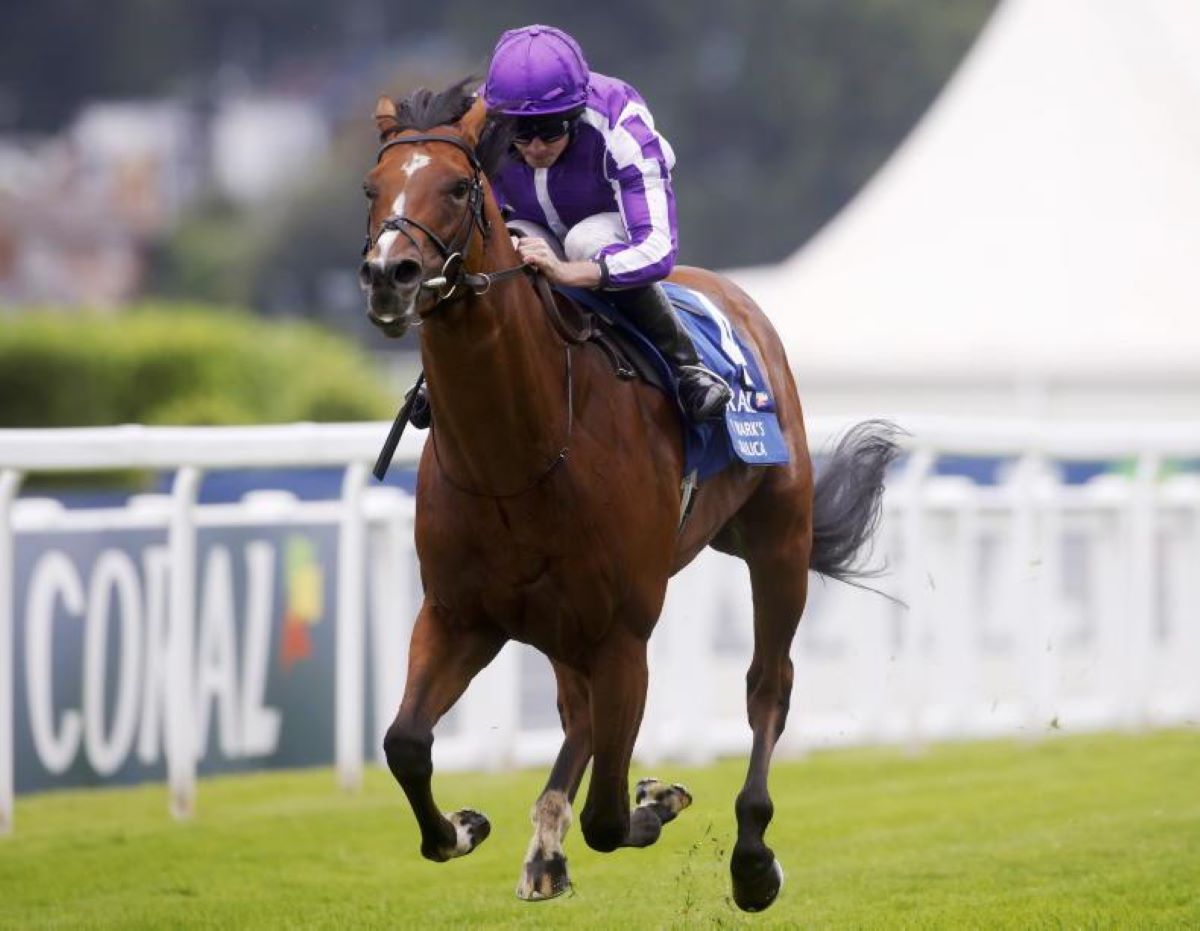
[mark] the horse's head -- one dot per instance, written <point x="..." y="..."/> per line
<point x="427" y="204"/>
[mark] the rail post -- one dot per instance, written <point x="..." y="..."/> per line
<point x="1139" y="630"/>
<point x="916" y="620"/>
<point x="391" y="583"/>
<point x="349" y="685"/>
<point x="1028" y="589"/>
<point x="181" y="742"/>
<point x="10" y="481"/>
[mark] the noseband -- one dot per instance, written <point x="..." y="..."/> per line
<point x="452" y="276"/>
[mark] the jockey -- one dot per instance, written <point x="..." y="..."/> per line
<point x="593" y="170"/>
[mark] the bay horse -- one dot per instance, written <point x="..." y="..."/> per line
<point x="549" y="503"/>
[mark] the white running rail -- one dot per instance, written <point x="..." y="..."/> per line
<point x="1032" y="605"/>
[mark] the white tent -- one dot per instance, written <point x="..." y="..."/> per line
<point x="1034" y="245"/>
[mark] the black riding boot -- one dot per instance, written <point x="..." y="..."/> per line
<point x="702" y="394"/>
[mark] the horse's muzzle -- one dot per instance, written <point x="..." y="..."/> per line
<point x="392" y="289"/>
<point x="401" y="276"/>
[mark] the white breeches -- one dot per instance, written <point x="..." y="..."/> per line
<point x="583" y="240"/>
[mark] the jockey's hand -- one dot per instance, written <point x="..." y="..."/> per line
<point x="537" y="252"/>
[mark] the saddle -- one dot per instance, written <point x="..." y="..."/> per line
<point x="578" y="318"/>
<point x="750" y="431"/>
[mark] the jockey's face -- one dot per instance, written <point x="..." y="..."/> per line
<point x="537" y="153"/>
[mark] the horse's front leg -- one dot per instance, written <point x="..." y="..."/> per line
<point x="544" y="874"/>
<point x="444" y="656"/>
<point x="618" y="683"/>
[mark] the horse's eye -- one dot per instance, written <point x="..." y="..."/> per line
<point x="460" y="189"/>
<point x="370" y="190"/>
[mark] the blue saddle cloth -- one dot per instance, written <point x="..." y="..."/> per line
<point x="750" y="431"/>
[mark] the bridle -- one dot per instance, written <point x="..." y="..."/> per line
<point x="452" y="276"/>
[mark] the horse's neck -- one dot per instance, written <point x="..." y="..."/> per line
<point x="498" y="385"/>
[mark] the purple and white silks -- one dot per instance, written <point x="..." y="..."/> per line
<point x="615" y="162"/>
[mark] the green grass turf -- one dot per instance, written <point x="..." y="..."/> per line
<point x="1073" y="832"/>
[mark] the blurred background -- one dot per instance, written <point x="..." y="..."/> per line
<point x="211" y="152"/>
<point x="1023" y="247"/>
<point x="980" y="218"/>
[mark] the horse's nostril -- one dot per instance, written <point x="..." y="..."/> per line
<point x="364" y="273"/>
<point x="406" y="273"/>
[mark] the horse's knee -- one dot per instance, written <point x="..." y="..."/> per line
<point x="604" y="833"/>
<point x="409" y="752"/>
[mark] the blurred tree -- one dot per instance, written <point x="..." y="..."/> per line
<point x="56" y="54"/>
<point x="778" y="110"/>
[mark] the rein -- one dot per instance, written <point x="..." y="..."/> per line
<point x="452" y="276"/>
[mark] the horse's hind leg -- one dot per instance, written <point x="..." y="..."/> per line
<point x="442" y="660"/>
<point x="544" y="874"/>
<point x="778" y="544"/>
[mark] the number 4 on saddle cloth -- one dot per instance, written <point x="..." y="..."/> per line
<point x="750" y="431"/>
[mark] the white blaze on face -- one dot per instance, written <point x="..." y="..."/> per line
<point x="383" y="248"/>
<point x="415" y="163"/>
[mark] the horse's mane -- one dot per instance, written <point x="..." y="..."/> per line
<point x="424" y="110"/>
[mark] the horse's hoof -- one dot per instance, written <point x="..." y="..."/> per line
<point x="544" y="879"/>
<point x="758" y="893"/>
<point x="471" y="829"/>
<point x="666" y="800"/>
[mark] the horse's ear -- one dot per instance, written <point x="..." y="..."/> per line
<point x="385" y="116"/>
<point x="472" y="122"/>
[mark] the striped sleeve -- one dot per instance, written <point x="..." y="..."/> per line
<point x="639" y="165"/>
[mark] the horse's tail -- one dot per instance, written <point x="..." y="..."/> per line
<point x="848" y="497"/>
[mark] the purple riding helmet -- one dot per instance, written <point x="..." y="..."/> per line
<point x="536" y="71"/>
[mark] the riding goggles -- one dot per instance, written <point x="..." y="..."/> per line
<point x="548" y="129"/>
